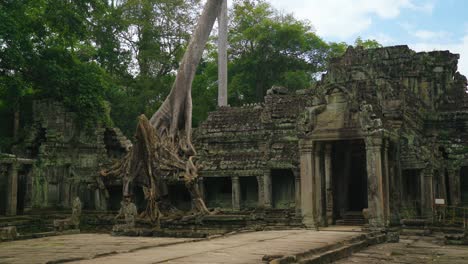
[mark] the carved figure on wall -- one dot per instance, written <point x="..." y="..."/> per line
<point x="307" y="121"/>
<point x="368" y="119"/>
<point x="73" y="220"/>
<point x="128" y="212"/>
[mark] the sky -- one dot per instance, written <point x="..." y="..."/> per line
<point x="423" y="25"/>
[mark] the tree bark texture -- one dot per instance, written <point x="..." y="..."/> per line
<point x="163" y="145"/>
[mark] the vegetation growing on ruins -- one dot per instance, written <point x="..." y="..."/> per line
<point x="114" y="60"/>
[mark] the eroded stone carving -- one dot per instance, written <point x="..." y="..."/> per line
<point x="128" y="212"/>
<point x="368" y="119"/>
<point x="73" y="221"/>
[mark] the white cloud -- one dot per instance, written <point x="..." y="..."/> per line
<point x="346" y="18"/>
<point x="460" y="47"/>
<point x="382" y="38"/>
<point x="430" y="35"/>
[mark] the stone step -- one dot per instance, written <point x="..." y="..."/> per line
<point x="334" y="252"/>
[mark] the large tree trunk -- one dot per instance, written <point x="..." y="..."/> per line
<point x="174" y="118"/>
<point x="163" y="146"/>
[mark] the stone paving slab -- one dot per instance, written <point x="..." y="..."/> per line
<point x="78" y="246"/>
<point x="411" y="250"/>
<point x="239" y="248"/>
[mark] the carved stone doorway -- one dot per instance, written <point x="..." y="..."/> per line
<point x="349" y="177"/>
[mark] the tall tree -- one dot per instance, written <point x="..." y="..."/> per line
<point x="163" y="145"/>
<point x="268" y="47"/>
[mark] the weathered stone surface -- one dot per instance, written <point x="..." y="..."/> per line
<point x="8" y="233"/>
<point x="409" y="109"/>
<point x="68" y="158"/>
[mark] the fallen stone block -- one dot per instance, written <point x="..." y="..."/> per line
<point x="8" y="233"/>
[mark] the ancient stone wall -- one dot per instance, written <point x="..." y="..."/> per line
<point x="68" y="157"/>
<point x="410" y="106"/>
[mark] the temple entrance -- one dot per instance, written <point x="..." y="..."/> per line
<point x="249" y="192"/>
<point x="115" y="197"/>
<point x="283" y="188"/>
<point x="218" y="192"/>
<point x="464" y="185"/>
<point x="411" y="195"/>
<point x="139" y="198"/>
<point x="180" y="197"/>
<point x="22" y="190"/>
<point x="349" y="177"/>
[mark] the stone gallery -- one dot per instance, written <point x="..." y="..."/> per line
<point x="366" y="146"/>
<point x="380" y="138"/>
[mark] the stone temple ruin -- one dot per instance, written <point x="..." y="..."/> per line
<point x="378" y="139"/>
<point x="384" y="131"/>
<point x="58" y="163"/>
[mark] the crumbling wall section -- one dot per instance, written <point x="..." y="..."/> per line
<point x="68" y="157"/>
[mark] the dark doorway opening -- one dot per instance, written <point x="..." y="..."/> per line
<point x="249" y="192"/>
<point x="180" y="197"/>
<point x="22" y="189"/>
<point x="349" y="178"/>
<point x="464" y="185"/>
<point x="411" y="195"/>
<point x="218" y="191"/>
<point x="283" y="188"/>
<point x="115" y="197"/>
<point x="139" y="198"/>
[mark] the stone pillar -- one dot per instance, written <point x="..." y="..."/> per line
<point x="235" y="193"/>
<point x="375" y="182"/>
<point x="319" y="185"/>
<point x="12" y="189"/>
<point x="28" y="190"/>
<point x="307" y="184"/>
<point x="267" y="195"/>
<point x="297" y="190"/>
<point x="386" y="181"/>
<point x="201" y="187"/>
<point x="454" y="186"/>
<point x="427" y="192"/>
<point x="97" y="200"/>
<point x="329" y="183"/>
<point x="261" y="195"/>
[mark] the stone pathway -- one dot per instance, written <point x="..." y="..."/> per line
<point x="79" y="246"/>
<point x="411" y="250"/>
<point x="239" y="248"/>
<point x="249" y="247"/>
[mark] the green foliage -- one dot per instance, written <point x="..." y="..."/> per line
<point x="367" y="44"/>
<point x="269" y="48"/>
<point x="114" y="60"/>
<point x="47" y="50"/>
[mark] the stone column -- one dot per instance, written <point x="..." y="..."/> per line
<point x="386" y="181"/>
<point x="97" y="200"/>
<point x="329" y="183"/>
<point x="261" y="195"/>
<point x="267" y="196"/>
<point x="375" y="188"/>
<point x="307" y="185"/>
<point x="201" y="187"/>
<point x="454" y="186"/>
<point x="318" y="184"/>
<point x="427" y="192"/>
<point x="28" y="190"/>
<point x="12" y="189"/>
<point x="297" y="189"/>
<point x="235" y="193"/>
